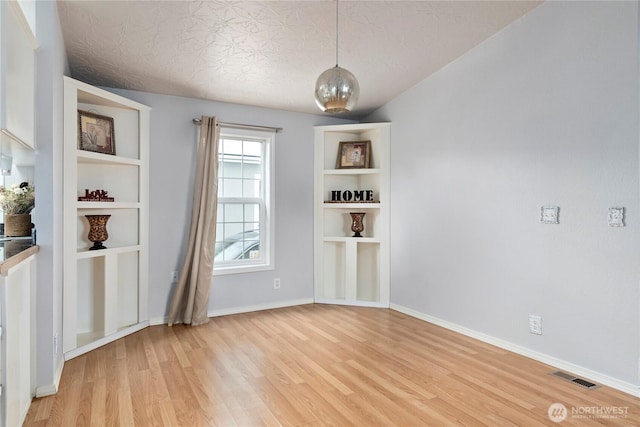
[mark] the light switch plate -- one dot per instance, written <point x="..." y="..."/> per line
<point x="549" y="215"/>
<point x="535" y="324"/>
<point x="616" y="217"/>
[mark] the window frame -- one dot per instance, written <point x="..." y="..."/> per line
<point x="267" y="222"/>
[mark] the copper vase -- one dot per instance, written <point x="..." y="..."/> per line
<point x="98" y="230"/>
<point x="357" y="226"/>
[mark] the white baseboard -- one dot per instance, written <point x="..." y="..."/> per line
<point x="50" y="389"/>
<point x="524" y="351"/>
<point x="352" y="303"/>
<point x="259" y="307"/>
<point x="158" y="321"/>
<point x="243" y="309"/>
<point x="104" y="340"/>
<point x="46" y="390"/>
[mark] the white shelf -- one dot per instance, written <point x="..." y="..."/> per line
<point x="6" y="134"/>
<point x="108" y="205"/>
<point x="86" y="253"/>
<point x="107" y="159"/>
<point x="352" y="171"/>
<point x="351" y="206"/>
<point x="349" y="239"/>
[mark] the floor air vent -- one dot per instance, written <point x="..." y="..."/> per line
<point x="571" y="378"/>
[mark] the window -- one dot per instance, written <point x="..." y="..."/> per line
<point x="245" y="219"/>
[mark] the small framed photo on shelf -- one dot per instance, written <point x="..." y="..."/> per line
<point x="96" y="133"/>
<point x="354" y="155"/>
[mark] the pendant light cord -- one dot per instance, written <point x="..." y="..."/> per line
<point x="337" y="29"/>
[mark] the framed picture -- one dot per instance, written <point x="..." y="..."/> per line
<point x="95" y="133"/>
<point x="354" y="154"/>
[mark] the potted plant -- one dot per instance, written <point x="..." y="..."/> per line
<point x="17" y="202"/>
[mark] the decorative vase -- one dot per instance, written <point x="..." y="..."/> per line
<point x="357" y="225"/>
<point x="17" y="225"/>
<point x="98" y="230"/>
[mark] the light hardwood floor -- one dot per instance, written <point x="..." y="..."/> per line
<point x="314" y="365"/>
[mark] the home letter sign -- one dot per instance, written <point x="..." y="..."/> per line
<point x="356" y="196"/>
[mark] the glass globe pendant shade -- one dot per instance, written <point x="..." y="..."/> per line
<point x="337" y="90"/>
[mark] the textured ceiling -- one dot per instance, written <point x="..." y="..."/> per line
<point x="269" y="53"/>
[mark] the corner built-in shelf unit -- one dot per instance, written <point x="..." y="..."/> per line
<point x="105" y="291"/>
<point x="351" y="270"/>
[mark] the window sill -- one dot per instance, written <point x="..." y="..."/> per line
<point x="222" y="271"/>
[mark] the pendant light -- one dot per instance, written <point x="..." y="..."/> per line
<point x="337" y="89"/>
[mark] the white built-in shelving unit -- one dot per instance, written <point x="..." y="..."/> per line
<point x="351" y="270"/>
<point x="105" y="291"/>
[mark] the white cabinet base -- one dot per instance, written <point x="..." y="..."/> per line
<point x="17" y="293"/>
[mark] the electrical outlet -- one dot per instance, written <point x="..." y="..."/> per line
<point x="174" y="276"/>
<point x="276" y="283"/>
<point x="535" y="324"/>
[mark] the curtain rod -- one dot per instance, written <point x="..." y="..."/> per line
<point x="242" y="126"/>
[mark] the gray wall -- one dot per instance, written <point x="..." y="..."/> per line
<point x="51" y="64"/>
<point x="543" y="113"/>
<point x="172" y="163"/>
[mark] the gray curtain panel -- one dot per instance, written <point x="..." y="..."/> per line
<point x="190" y="300"/>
